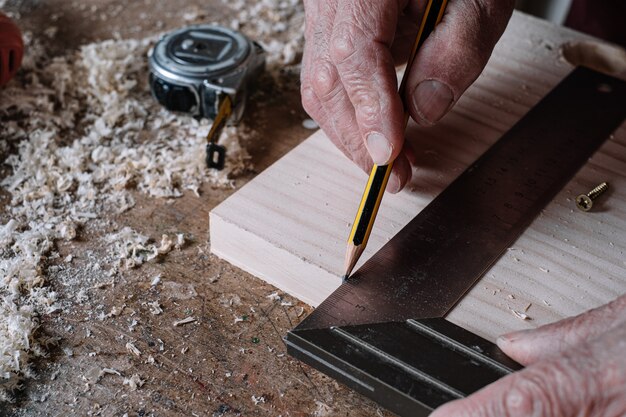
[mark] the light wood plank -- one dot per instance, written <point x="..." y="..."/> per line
<point x="289" y="225"/>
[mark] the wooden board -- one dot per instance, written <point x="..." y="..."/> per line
<point x="290" y="224"/>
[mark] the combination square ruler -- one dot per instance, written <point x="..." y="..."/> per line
<point x="383" y="332"/>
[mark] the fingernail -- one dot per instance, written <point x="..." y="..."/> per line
<point x="431" y="100"/>
<point x="379" y="148"/>
<point x="512" y="337"/>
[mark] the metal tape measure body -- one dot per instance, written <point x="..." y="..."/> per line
<point x="191" y="68"/>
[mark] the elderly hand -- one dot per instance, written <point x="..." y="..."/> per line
<point x="576" y="367"/>
<point x="348" y="76"/>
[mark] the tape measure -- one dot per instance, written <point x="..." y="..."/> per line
<point x="11" y="49"/>
<point x="206" y="71"/>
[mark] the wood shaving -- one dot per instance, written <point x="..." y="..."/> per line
<point x="180" y="241"/>
<point x="133" y="349"/>
<point x="78" y="124"/>
<point x="264" y="20"/>
<point x="116" y="311"/>
<point x="155" y="308"/>
<point x="186" y="320"/>
<point x="134" y="249"/>
<point x="520" y="315"/>
<point x="167" y="243"/>
<point x="229" y="301"/>
<point x="322" y="410"/>
<point x="274" y="296"/>
<point x="82" y="133"/>
<point x="134" y="382"/>
<point x="16" y="327"/>
<point x="155" y="280"/>
<point x="111" y="371"/>
<point x="258" y="400"/>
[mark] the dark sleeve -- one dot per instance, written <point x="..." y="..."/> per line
<point x="604" y="19"/>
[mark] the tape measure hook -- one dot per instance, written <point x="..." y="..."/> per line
<point x="215" y="156"/>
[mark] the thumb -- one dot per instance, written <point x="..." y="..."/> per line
<point x="568" y="386"/>
<point x="454" y="55"/>
<point x="529" y="346"/>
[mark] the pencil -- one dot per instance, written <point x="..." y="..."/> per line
<point x="375" y="188"/>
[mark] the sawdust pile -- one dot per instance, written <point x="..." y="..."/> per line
<point x="278" y="25"/>
<point x="80" y="134"/>
<point x="266" y="19"/>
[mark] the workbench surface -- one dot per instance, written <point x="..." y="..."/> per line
<point x="215" y="366"/>
<point x="231" y="360"/>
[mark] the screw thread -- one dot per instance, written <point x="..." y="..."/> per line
<point x="598" y="190"/>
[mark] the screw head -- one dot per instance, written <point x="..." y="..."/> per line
<point x="583" y="202"/>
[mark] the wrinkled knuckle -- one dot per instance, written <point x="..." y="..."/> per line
<point x="518" y="400"/>
<point x="343" y="42"/>
<point x="355" y="148"/>
<point x="367" y="108"/>
<point x="551" y="388"/>
<point x="310" y="102"/>
<point x="324" y="78"/>
<point x="530" y="395"/>
<point x="579" y="327"/>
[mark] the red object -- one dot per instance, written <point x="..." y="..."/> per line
<point x="11" y="49"/>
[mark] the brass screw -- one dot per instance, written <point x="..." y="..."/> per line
<point x="585" y="201"/>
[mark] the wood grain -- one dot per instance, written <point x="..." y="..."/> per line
<point x="289" y="225"/>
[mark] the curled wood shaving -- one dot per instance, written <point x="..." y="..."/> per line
<point x="186" y="320"/>
<point x="133" y="349"/>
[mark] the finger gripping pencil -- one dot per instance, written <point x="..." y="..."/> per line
<point x="379" y="176"/>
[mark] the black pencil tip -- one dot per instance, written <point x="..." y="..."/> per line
<point x="344" y="278"/>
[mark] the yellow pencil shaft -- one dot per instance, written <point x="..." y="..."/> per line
<point x="377" y="182"/>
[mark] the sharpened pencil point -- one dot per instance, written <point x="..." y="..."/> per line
<point x="352" y="256"/>
<point x="344" y="278"/>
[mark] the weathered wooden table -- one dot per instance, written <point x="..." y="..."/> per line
<point x="215" y="366"/>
